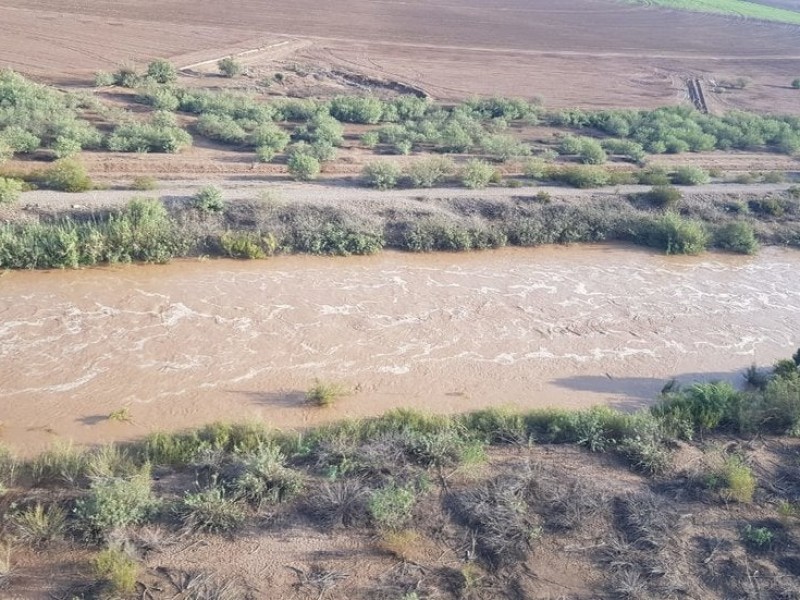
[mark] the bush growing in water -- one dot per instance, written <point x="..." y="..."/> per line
<point x="673" y="234"/>
<point x="737" y="236"/>
<point x="142" y="231"/>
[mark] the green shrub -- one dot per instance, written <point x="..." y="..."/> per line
<point x="117" y="570"/>
<point x="324" y="393"/>
<point x="38" y="525"/>
<point x="690" y="176"/>
<point x="209" y="200"/>
<point x="706" y="406"/>
<point x="626" y="148"/>
<point x="767" y="206"/>
<point x="656" y="176"/>
<point x="758" y="538"/>
<point x="10" y="190"/>
<point x="230" y="67"/>
<point x="428" y="172"/>
<point x="221" y="128"/>
<point x="321" y="128"/>
<point x="504" y="147"/>
<point x="582" y="177"/>
<point x="796" y="83"/>
<point x="161" y="134"/>
<point x="536" y="168"/>
<point x="355" y="109"/>
<point x="370" y="139"/>
<point x="212" y="511"/>
<point x="114" y="502"/>
<point x="476" y="174"/>
<point x="247" y="244"/>
<point x="673" y="234"/>
<point x="588" y="150"/>
<point x="162" y="71"/>
<point x="664" y="197"/>
<point x="382" y="175"/>
<point x="303" y="167"/>
<point x="126" y="76"/>
<point x="391" y="507"/>
<point x="103" y="79"/>
<point x="737" y="236"/>
<point x="66" y="176"/>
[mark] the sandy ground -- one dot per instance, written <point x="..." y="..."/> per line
<point x="594" y="53"/>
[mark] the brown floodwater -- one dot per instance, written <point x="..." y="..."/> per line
<point x="195" y="341"/>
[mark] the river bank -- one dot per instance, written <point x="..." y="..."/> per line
<point x="195" y="341"/>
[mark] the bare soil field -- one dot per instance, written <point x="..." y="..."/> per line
<point x="594" y="53"/>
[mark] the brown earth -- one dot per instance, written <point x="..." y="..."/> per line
<point x="598" y="530"/>
<point x="593" y="53"/>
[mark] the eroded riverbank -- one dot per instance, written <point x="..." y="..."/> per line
<point x="195" y="341"/>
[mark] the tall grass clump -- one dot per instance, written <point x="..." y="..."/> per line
<point x="10" y="190"/>
<point x="118" y="571"/>
<point x="39" y="524"/>
<point x="211" y="510"/>
<point x="264" y="477"/>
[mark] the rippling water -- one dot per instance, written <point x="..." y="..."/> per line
<point x="189" y="342"/>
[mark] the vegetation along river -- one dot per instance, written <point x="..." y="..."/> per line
<point x="195" y="341"/>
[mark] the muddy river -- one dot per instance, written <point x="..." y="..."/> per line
<point x="195" y="341"/>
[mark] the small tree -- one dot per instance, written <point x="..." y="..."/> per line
<point x="67" y="176"/>
<point x="796" y="83"/>
<point x="103" y="79"/>
<point x="303" y="167"/>
<point x="162" y="71"/>
<point x="230" y="67"/>
<point x="382" y="175"/>
<point x="476" y="174"/>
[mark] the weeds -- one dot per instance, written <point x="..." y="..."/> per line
<point x="39" y="524"/>
<point x="118" y="570"/>
<point x="212" y="511"/>
<point x="391" y="507"/>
